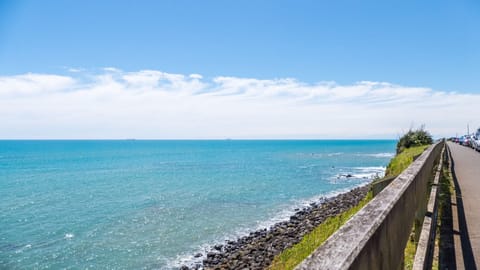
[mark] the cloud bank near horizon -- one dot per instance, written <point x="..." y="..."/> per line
<point x="115" y="104"/>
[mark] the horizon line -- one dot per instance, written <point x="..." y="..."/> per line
<point x="198" y="139"/>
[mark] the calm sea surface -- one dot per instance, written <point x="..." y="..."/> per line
<point x="154" y="204"/>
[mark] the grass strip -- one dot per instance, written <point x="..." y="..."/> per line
<point x="401" y="161"/>
<point x="445" y="257"/>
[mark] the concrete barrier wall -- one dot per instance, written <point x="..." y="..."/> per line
<point x="379" y="185"/>
<point x="375" y="238"/>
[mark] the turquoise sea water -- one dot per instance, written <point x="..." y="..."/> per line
<point x="154" y="204"/>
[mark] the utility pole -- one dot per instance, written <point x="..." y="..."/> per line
<point x="468" y="129"/>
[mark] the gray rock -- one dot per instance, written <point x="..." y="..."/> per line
<point x="257" y="250"/>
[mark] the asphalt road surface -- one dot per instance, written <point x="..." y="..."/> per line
<point x="466" y="169"/>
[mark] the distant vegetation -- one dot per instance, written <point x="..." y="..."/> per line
<point x="409" y="146"/>
<point x="414" y="138"/>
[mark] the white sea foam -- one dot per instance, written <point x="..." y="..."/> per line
<point x="23" y="248"/>
<point x="379" y="155"/>
<point x="308" y="166"/>
<point x="334" y="154"/>
<point x="370" y="172"/>
<point x="69" y="235"/>
<point x="363" y="175"/>
<point x="371" y="169"/>
<point x="358" y="174"/>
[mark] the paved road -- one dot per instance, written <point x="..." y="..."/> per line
<point x="466" y="167"/>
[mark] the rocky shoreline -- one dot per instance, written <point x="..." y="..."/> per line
<point x="257" y="250"/>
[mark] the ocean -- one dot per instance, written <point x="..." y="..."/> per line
<point x="134" y="204"/>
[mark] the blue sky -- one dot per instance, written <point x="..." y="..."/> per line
<point x="418" y="43"/>
<point x="239" y="69"/>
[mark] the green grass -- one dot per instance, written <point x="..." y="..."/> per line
<point x="409" y="252"/>
<point x="444" y="213"/>
<point x="401" y="161"/>
<point x="291" y="257"/>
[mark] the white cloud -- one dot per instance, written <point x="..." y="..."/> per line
<point x="74" y="70"/>
<point x="32" y="84"/>
<point x="196" y="76"/>
<point x="111" y="69"/>
<point x="155" y="104"/>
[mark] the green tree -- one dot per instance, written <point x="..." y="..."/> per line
<point x="414" y="138"/>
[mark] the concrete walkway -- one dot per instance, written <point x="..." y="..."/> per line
<point x="466" y="215"/>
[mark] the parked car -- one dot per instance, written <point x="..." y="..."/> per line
<point x="471" y="141"/>
<point x="465" y="140"/>
<point x="476" y="143"/>
<point x="462" y="140"/>
<point x="476" y="140"/>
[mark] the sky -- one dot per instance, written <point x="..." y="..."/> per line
<point x="237" y="69"/>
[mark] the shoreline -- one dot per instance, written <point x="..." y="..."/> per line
<point x="257" y="249"/>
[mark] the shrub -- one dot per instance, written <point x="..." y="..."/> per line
<point x="414" y="138"/>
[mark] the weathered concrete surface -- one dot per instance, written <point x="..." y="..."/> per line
<point x="421" y="256"/>
<point x="378" y="186"/>
<point x="376" y="236"/>
<point x="466" y="169"/>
